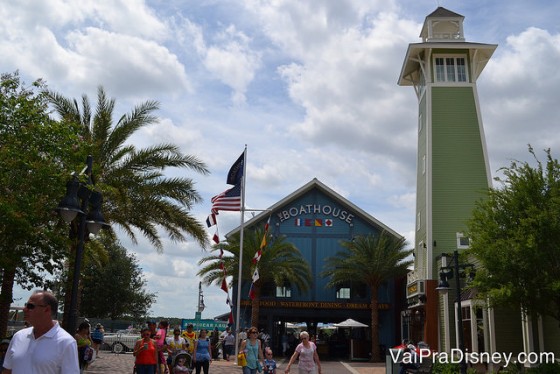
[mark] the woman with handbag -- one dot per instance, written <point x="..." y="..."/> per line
<point x="83" y="341"/>
<point x="253" y="352"/>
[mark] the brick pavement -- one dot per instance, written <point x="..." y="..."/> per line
<point x="111" y="363"/>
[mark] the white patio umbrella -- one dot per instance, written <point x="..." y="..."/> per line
<point x="350" y="323"/>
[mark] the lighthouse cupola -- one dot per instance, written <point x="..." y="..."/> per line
<point x="443" y="25"/>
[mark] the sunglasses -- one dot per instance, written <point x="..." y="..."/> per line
<point x="32" y="306"/>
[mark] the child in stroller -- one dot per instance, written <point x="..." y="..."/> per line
<point x="182" y="363"/>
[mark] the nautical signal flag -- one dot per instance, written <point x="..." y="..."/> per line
<point x="211" y="220"/>
<point x="258" y="254"/>
<point x="224" y="285"/>
<point x="317" y="222"/>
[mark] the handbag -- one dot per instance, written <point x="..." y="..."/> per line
<point x="88" y="354"/>
<point x="241" y="359"/>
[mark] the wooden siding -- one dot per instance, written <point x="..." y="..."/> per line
<point x="458" y="167"/>
<point x="508" y="330"/>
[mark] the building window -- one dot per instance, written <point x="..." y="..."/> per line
<point x="424" y="165"/>
<point x="451" y="69"/>
<point x="463" y="242"/>
<point x="420" y="123"/>
<point x="285" y="292"/>
<point x="418" y="225"/>
<point x="343" y="293"/>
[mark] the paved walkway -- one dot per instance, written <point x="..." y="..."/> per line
<point x="111" y="363"/>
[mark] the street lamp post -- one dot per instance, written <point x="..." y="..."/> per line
<point x="458" y="271"/>
<point x="90" y="218"/>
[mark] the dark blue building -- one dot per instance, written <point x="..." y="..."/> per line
<point x="316" y="219"/>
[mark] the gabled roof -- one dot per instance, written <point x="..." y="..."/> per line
<point x="316" y="184"/>
<point x="441" y="12"/>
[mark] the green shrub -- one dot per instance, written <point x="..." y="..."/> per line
<point x="553" y="368"/>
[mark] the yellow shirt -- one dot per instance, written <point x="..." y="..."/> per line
<point x="190" y="338"/>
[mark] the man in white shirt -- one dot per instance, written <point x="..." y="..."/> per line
<point x="44" y="348"/>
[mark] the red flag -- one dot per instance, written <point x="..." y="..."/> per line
<point x="257" y="257"/>
<point x="216" y="238"/>
<point x="230" y="319"/>
<point x="224" y="286"/>
<point x="252" y="292"/>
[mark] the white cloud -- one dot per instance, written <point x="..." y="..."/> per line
<point x="314" y="91"/>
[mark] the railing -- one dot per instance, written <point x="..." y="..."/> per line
<point x="415" y="275"/>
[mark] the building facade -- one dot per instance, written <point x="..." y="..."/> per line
<point x="315" y="219"/>
<point x="452" y="174"/>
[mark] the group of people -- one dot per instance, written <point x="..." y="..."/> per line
<point x="44" y="347"/>
<point x="185" y="350"/>
<point x="252" y="351"/>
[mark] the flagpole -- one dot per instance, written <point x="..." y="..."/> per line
<point x="238" y="304"/>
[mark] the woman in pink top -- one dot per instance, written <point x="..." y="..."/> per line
<point x="308" y="358"/>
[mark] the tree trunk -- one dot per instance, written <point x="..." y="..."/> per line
<point x="255" y="307"/>
<point x="6" y="298"/>
<point x="375" y="351"/>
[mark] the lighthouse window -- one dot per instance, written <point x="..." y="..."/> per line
<point x="451" y="69"/>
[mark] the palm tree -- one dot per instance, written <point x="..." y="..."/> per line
<point x="370" y="260"/>
<point x="138" y="197"/>
<point x="281" y="263"/>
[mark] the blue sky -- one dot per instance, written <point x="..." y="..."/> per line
<point x="309" y="86"/>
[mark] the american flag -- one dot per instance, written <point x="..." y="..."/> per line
<point x="228" y="200"/>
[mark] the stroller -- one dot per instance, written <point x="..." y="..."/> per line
<point x="182" y="363"/>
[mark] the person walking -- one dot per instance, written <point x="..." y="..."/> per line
<point x="175" y="345"/>
<point x="145" y="353"/>
<point x="82" y="337"/>
<point x="202" y="352"/>
<point x="190" y="338"/>
<point x="309" y="362"/>
<point x="161" y="344"/>
<point x="44" y="347"/>
<point x="97" y="336"/>
<point x="229" y="345"/>
<point x="252" y="348"/>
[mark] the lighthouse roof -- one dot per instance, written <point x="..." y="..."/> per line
<point x="445" y="13"/>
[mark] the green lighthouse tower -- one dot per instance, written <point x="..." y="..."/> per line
<point x="452" y="165"/>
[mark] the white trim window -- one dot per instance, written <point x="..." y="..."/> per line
<point x="283" y="292"/>
<point x="450" y="69"/>
<point x="463" y="242"/>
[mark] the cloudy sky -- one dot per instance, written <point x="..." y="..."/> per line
<point x="309" y="86"/>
